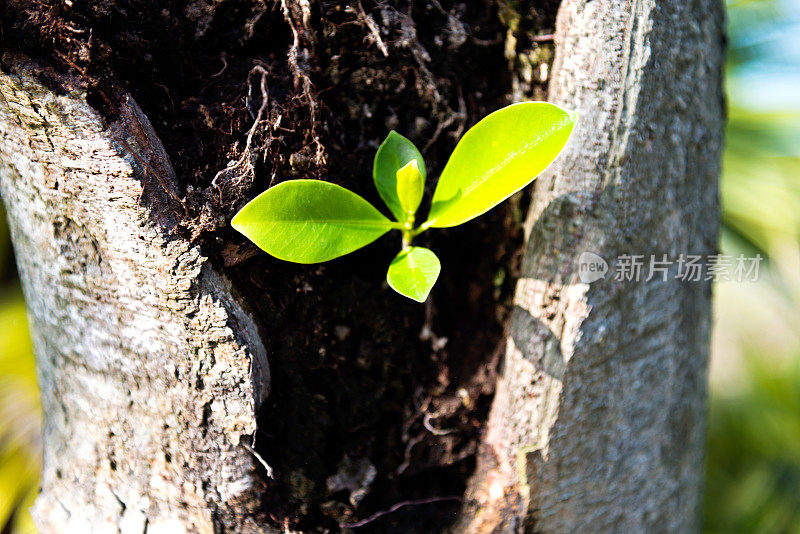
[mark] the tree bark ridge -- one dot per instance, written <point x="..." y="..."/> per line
<point x="599" y="417"/>
<point x="150" y="370"/>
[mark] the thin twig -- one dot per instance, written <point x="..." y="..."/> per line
<point x="426" y="422"/>
<point x="258" y="457"/>
<point x="374" y="30"/>
<point x="224" y="67"/>
<point x="303" y="81"/>
<point x="396" y="507"/>
<point x="246" y="156"/>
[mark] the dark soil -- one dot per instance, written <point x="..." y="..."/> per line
<point x="355" y="366"/>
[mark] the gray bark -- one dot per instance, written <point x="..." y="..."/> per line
<point x="599" y="417"/>
<point x="150" y="370"/>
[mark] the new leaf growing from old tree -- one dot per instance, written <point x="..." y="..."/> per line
<point x="410" y="188"/>
<point x="310" y="221"/>
<point x="394" y="154"/>
<point x="413" y="272"/>
<point x="496" y="158"/>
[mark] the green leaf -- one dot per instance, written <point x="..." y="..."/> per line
<point x="394" y="154"/>
<point x="413" y="272"/>
<point x="497" y="157"/>
<point x="310" y="221"/>
<point x="410" y="187"/>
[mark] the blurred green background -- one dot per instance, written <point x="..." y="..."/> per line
<point x="753" y="462"/>
<point x="20" y="413"/>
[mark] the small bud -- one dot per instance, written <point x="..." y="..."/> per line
<point x="410" y="187"/>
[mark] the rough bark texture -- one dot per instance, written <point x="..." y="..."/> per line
<point x="150" y="370"/>
<point x="599" y="416"/>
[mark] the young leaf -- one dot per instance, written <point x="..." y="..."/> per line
<point x="410" y="187"/>
<point x="413" y="272"/>
<point x="497" y="157"/>
<point x="394" y="154"/>
<point x="309" y="221"/>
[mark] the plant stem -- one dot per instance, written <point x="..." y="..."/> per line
<point x="408" y="231"/>
<point x="422" y="227"/>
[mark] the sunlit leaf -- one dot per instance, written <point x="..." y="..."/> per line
<point x="410" y="187"/>
<point x="310" y="221"/>
<point x="500" y="155"/>
<point x="394" y="153"/>
<point x="413" y="272"/>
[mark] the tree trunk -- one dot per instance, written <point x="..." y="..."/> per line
<point x="598" y="422"/>
<point x="150" y="370"/>
<point x="153" y="324"/>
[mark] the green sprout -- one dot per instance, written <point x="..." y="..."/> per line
<point x="311" y="221"/>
